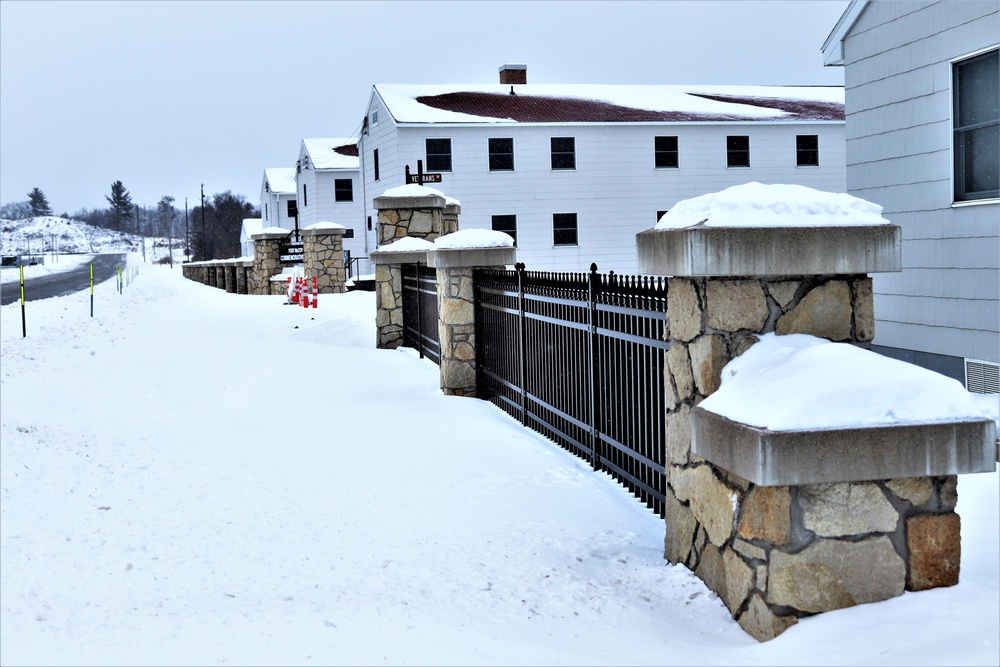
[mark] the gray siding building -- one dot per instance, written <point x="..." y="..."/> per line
<point x="922" y="94"/>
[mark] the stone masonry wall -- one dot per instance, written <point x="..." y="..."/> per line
<point x="457" y="331"/>
<point x="421" y="223"/>
<point x="388" y="306"/>
<point x="774" y="554"/>
<point x="267" y="262"/>
<point x="323" y="258"/>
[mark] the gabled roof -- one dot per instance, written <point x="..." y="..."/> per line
<point x="581" y="103"/>
<point x="331" y="153"/>
<point x="251" y="226"/>
<point x="280" y="180"/>
<point x="833" y="47"/>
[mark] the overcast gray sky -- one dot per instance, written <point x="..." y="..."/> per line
<point x="165" y="96"/>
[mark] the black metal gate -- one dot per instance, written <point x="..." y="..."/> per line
<point x="579" y="358"/>
<point x="420" y="310"/>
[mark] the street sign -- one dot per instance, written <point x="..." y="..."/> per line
<point x="423" y="178"/>
<point x="420" y="177"/>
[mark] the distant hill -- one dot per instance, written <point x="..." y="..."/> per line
<point x="50" y="233"/>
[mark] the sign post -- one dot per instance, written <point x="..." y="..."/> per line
<point x="421" y="177"/>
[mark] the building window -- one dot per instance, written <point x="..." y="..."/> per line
<point x="438" y="154"/>
<point x="660" y="214"/>
<point x="738" y="151"/>
<point x="343" y="189"/>
<point x="564" y="229"/>
<point x="506" y="224"/>
<point x="305" y="196"/>
<point x="665" y="152"/>
<point x="265" y="211"/>
<point x="293" y="209"/>
<point x="976" y="91"/>
<point x="375" y="162"/>
<point x="807" y="150"/>
<point x="348" y="233"/>
<point x="374" y="117"/>
<point x="501" y="154"/>
<point x="563" y="152"/>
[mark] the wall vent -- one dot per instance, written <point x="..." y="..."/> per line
<point x="982" y="377"/>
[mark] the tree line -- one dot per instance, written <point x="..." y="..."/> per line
<point x="212" y="232"/>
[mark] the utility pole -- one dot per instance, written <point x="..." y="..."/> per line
<point x="204" y="245"/>
<point x="187" y="240"/>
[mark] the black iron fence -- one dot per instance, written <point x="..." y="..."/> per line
<point x="420" y="310"/>
<point x="580" y="358"/>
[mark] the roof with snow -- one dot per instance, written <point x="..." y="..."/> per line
<point x="280" y="180"/>
<point x="331" y="153"/>
<point x="581" y="103"/>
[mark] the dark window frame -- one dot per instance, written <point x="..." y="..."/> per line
<point x="438" y="160"/>
<point x="563" y="231"/>
<point x="341" y="193"/>
<point x="503" y="219"/>
<point x="975" y="127"/>
<point x="806" y="150"/>
<point x="563" y="159"/>
<point x="375" y="163"/>
<point x="737" y="156"/>
<point x="500" y="158"/>
<point x="666" y="153"/>
<point x="305" y="196"/>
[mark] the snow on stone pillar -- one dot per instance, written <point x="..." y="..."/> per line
<point x="815" y="523"/>
<point x="323" y="256"/>
<point x="455" y="257"/>
<point x="266" y="258"/>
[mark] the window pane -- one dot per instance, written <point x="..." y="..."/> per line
<point x="738" y="151"/>
<point x="981" y="162"/>
<point x="978" y="81"/>
<point x="807" y="150"/>
<point x="501" y="154"/>
<point x="563" y="152"/>
<point x="438" y="154"/>
<point x="506" y="224"/>
<point x="564" y="229"/>
<point x="665" y="152"/>
<point x="343" y="189"/>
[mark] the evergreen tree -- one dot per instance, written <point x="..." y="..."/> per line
<point x="39" y="204"/>
<point x="121" y="204"/>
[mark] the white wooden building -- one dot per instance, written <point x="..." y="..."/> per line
<point x="923" y="141"/>
<point x="574" y="172"/>
<point x="277" y="198"/>
<point x="328" y="189"/>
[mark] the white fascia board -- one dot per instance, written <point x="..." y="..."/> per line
<point x="833" y="47"/>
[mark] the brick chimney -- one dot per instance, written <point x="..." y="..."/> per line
<point x="514" y="74"/>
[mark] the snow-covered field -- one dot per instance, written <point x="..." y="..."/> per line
<point x="195" y="477"/>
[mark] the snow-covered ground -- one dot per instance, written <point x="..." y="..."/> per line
<point x="195" y="477"/>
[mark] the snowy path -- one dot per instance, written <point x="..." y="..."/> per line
<point x="192" y="477"/>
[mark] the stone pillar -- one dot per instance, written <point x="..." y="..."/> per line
<point x="389" y="294"/>
<point x="457" y="313"/>
<point x="323" y="256"/>
<point x="266" y="258"/>
<point x="415" y="211"/>
<point x="220" y="275"/>
<point x="241" y="276"/>
<point x="777" y="550"/>
<point x="230" y="271"/>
